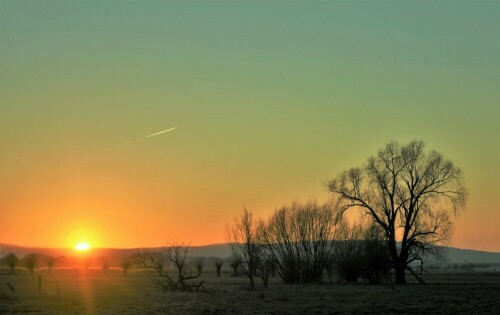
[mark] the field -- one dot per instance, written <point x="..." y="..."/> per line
<point x="66" y="291"/>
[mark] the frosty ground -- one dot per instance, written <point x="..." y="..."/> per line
<point x="74" y="291"/>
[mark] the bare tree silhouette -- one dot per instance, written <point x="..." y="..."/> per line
<point x="51" y="261"/>
<point x="126" y="263"/>
<point x="157" y="267"/>
<point x="359" y="251"/>
<point x="299" y="238"/>
<point x="376" y="258"/>
<point x="218" y="265"/>
<point x="242" y="238"/>
<point x="407" y="191"/>
<point x="266" y="266"/>
<point x="199" y="263"/>
<point x="330" y="268"/>
<point x="348" y="252"/>
<point x="12" y="261"/>
<point x="30" y="262"/>
<point x="104" y="264"/>
<point x="235" y="262"/>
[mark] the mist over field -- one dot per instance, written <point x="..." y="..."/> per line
<point x="452" y="255"/>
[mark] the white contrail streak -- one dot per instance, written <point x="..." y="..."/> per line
<point x="146" y="137"/>
<point x="160" y="132"/>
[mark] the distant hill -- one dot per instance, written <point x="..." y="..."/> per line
<point x="453" y="255"/>
<point x="216" y="250"/>
<point x="458" y="255"/>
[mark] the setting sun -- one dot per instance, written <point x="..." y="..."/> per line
<point x="82" y="247"/>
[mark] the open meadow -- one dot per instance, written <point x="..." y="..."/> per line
<point x="74" y="291"/>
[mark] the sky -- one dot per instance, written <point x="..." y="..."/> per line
<point x="270" y="100"/>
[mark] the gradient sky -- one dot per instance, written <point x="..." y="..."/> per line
<point x="271" y="99"/>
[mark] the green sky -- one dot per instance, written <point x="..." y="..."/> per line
<point x="271" y="98"/>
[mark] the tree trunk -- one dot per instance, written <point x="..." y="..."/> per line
<point x="329" y="272"/>
<point x="218" y="270"/>
<point x="265" y="280"/>
<point x="400" y="273"/>
<point x="398" y="261"/>
<point x="250" y="276"/>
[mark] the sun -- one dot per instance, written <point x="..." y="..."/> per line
<point x="82" y="246"/>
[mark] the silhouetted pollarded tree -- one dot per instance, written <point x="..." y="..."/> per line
<point x="12" y="261"/>
<point x="30" y="262"/>
<point x="51" y="261"/>
<point x="242" y="238"/>
<point x="199" y="263"/>
<point x="157" y="267"/>
<point x="410" y="193"/>
<point x="126" y="263"/>
<point x="104" y="264"/>
<point x="218" y="265"/>
<point x="235" y="262"/>
<point x="266" y="266"/>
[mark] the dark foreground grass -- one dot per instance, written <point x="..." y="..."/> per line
<point x="95" y="293"/>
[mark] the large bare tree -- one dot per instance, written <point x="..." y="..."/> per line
<point x="411" y="193"/>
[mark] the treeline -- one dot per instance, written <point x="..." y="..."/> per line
<point x="302" y="242"/>
<point x="29" y="261"/>
<point x="34" y="261"/>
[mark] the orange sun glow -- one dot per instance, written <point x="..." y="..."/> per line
<point x="82" y="247"/>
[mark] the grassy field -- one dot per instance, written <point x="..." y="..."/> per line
<point x="72" y="291"/>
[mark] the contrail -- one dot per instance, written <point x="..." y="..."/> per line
<point x="143" y="138"/>
<point x="160" y="132"/>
